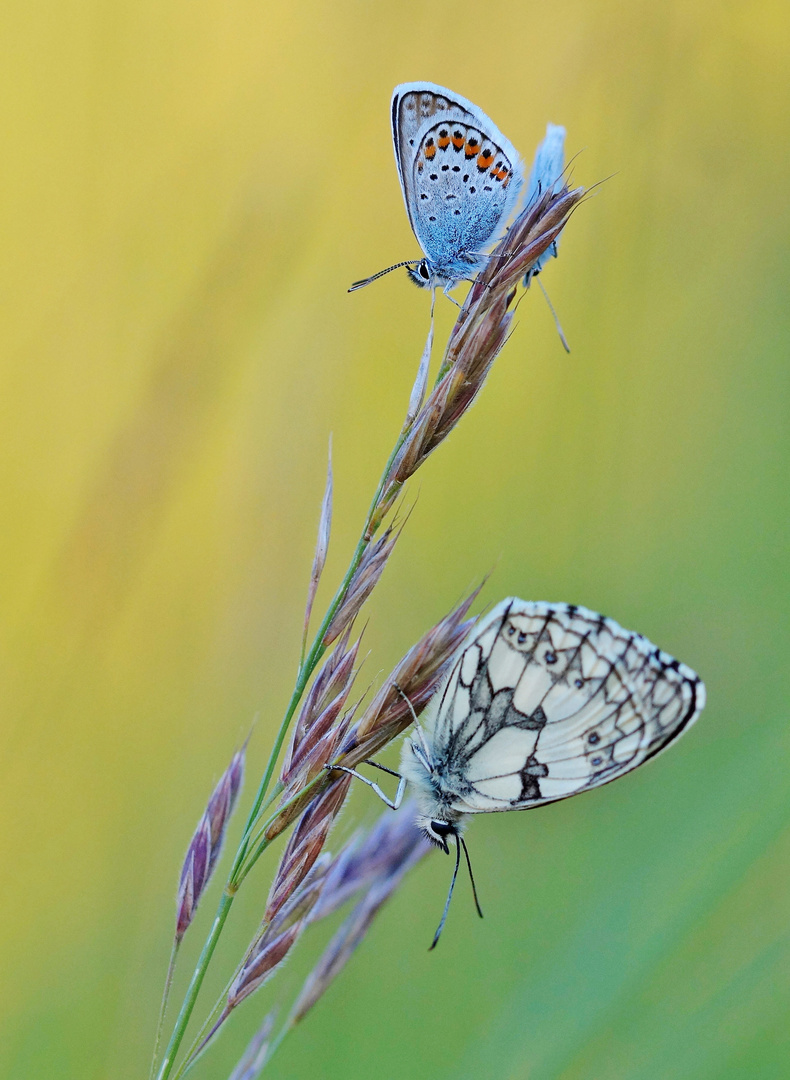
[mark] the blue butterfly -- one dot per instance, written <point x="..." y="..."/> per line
<point x="460" y="177"/>
<point x="546" y="175"/>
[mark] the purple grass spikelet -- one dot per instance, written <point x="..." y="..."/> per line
<point x="306" y="843"/>
<point x="362" y="584"/>
<point x="272" y="944"/>
<point x="317" y="720"/>
<point x="269" y="948"/>
<point x="206" y="844"/>
<point x="482" y="328"/>
<point x="372" y="854"/>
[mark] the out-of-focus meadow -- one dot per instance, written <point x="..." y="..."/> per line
<point x="187" y="191"/>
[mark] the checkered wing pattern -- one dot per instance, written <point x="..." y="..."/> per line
<point x="548" y="700"/>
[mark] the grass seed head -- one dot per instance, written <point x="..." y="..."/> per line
<point x="373" y="854"/>
<point x="274" y="942"/>
<point x="482" y="328"/>
<point x="206" y="844"/>
<point x="322" y="703"/>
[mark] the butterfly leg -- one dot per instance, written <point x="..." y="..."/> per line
<point x="450" y="285"/>
<point x="392" y="803"/>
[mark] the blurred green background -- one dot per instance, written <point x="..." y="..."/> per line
<point x="187" y="191"/>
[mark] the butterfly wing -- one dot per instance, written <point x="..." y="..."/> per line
<point x="547" y="174"/>
<point x="414" y="104"/>
<point x="548" y="700"/>
<point x="459" y="175"/>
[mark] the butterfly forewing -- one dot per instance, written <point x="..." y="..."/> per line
<point x="459" y="175"/>
<point x="547" y="700"/>
<point x="414" y="104"/>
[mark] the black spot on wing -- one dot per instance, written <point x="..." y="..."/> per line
<point x="503" y="713"/>
<point x="534" y="722"/>
<point x="501" y="705"/>
<point x="530" y="777"/>
<point x="481" y="694"/>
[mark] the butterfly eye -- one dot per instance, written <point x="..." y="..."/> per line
<point x="422" y="270"/>
<point x="442" y="828"/>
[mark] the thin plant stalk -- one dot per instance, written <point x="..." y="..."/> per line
<point x="223" y="910"/>
<point x="171" y="967"/>
<point x="192" y="1055"/>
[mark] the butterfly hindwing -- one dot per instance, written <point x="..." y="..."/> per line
<point x="547" y="700"/>
<point x="460" y="182"/>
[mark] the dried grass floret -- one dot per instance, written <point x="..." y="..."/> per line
<point x="318" y="718"/>
<point x="481" y="330"/>
<point x="254" y="1057"/>
<point x="373" y="862"/>
<point x="410" y="686"/>
<point x="306" y="842"/>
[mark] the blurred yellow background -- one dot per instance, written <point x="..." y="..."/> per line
<point x="187" y="191"/>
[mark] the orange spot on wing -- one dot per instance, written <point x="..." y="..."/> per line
<point x="444" y="142"/>
<point x="430" y="152"/>
<point x="471" y="149"/>
<point x="484" y="159"/>
<point x="458" y="140"/>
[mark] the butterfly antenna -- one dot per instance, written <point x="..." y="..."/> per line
<point x="560" y="331"/>
<point x="407" y="699"/>
<point x="366" y="281"/>
<point x="417" y="729"/>
<point x="471" y="876"/>
<point x="440" y="927"/>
